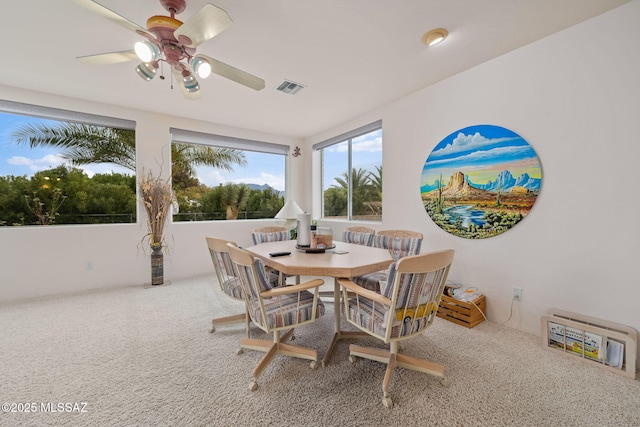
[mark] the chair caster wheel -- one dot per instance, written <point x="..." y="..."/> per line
<point x="253" y="386"/>
<point x="313" y="365"/>
<point x="212" y="330"/>
<point x="240" y="351"/>
<point x="387" y="402"/>
<point x="293" y="337"/>
<point x="445" y="382"/>
<point x="352" y="359"/>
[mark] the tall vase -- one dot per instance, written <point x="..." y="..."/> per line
<point x="157" y="266"/>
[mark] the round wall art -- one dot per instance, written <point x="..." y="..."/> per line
<point x="480" y="181"/>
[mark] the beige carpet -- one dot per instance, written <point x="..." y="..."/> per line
<point x="144" y="357"/>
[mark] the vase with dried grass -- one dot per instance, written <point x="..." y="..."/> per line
<point x="157" y="197"/>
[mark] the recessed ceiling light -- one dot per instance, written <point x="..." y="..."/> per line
<point x="435" y="36"/>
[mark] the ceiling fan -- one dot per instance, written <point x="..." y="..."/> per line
<point x="174" y="42"/>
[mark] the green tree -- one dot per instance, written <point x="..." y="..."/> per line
<point x="375" y="178"/>
<point x="212" y="201"/>
<point x="82" y="144"/>
<point x="361" y="189"/>
<point x="13" y="210"/>
<point x="335" y="202"/>
<point x="234" y="198"/>
<point x="185" y="157"/>
<point x="266" y="202"/>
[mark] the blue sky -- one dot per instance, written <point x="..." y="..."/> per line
<point x="261" y="168"/>
<point x="22" y="160"/>
<point x="481" y="152"/>
<point x="366" y="154"/>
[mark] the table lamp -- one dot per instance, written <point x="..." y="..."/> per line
<point x="290" y="212"/>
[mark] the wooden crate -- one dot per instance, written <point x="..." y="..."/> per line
<point x="461" y="312"/>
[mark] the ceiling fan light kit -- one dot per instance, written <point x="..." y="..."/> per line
<point x="147" y="51"/>
<point x="147" y="70"/>
<point x="174" y="42"/>
<point x="201" y="66"/>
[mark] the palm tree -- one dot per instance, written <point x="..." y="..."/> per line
<point x="186" y="156"/>
<point x="361" y="189"/>
<point x="359" y="179"/>
<point x="84" y="144"/>
<point x="376" y="181"/>
<point x="235" y="197"/>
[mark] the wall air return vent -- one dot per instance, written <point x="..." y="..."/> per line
<point x="290" y="87"/>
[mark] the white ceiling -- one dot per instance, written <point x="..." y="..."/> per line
<point x="353" y="55"/>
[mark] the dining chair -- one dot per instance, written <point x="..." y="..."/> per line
<point x="399" y="243"/>
<point x="269" y="234"/>
<point x="229" y="283"/>
<point x="404" y="308"/>
<point x="358" y="235"/>
<point x="272" y="234"/>
<point x="275" y="309"/>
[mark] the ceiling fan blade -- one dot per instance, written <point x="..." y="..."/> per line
<point x="177" y="76"/>
<point x="232" y="73"/>
<point x="208" y="22"/>
<point x="108" y="58"/>
<point x="105" y="12"/>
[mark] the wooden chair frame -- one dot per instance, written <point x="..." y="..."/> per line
<point x="217" y="245"/>
<point x="403" y="234"/>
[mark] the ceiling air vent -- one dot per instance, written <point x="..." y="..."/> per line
<point x="290" y="87"/>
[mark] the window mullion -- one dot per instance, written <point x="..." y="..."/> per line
<point x="350" y="184"/>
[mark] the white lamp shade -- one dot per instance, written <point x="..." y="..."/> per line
<point x="147" y="51"/>
<point x="289" y="211"/>
<point x="147" y="70"/>
<point x="201" y="67"/>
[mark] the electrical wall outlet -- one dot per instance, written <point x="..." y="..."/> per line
<point x="517" y="293"/>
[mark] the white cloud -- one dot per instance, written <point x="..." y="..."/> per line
<point x="213" y="178"/>
<point x="34" y="165"/>
<point x="264" y="178"/>
<point x="54" y="160"/>
<point x="361" y="144"/>
<point x="464" y="142"/>
<point x="371" y="146"/>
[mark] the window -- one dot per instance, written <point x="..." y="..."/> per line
<point x="65" y="167"/>
<point x="223" y="178"/>
<point x="352" y="174"/>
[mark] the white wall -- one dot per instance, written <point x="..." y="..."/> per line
<point x="575" y="97"/>
<point x="37" y="261"/>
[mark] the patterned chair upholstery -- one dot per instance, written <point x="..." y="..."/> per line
<point x="272" y="234"/>
<point x="358" y="237"/>
<point x="229" y="283"/>
<point x="274" y="309"/>
<point x="406" y="306"/>
<point x="398" y="247"/>
<point x="269" y="234"/>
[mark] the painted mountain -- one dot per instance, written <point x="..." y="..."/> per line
<point x="505" y="182"/>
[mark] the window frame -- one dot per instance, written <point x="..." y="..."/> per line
<point x="183" y="136"/>
<point x="70" y="116"/>
<point x="345" y="137"/>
